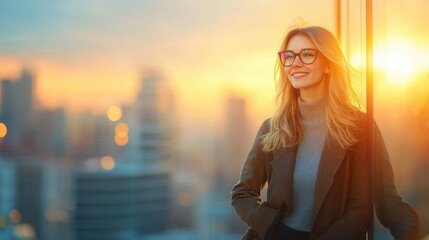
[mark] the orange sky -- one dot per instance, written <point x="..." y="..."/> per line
<point x="206" y="50"/>
<point x="234" y="51"/>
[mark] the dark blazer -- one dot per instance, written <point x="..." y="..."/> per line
<point x="342" y="204"/>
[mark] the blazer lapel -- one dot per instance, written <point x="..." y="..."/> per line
<point x="331" y="159"/>
<point x="283" y="165"/>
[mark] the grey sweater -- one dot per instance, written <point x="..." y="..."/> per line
<point x="307" y="164"/>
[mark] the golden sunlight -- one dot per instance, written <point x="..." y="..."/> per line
<point x="400" y="59"/>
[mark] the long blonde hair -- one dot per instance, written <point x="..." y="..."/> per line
<point x="341" y="100"/>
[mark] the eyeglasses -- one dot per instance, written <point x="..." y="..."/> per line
<point x="307" y="56"/>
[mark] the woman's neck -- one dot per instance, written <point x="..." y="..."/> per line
<point x="311" y="96"/>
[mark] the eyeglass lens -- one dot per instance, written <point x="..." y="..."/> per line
<point x="307" y="56"/>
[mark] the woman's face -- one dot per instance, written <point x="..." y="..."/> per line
<point x="308" y="78"/>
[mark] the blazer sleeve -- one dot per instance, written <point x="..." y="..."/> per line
<point x="392" y="212"/>
<point x="245" y="195"/>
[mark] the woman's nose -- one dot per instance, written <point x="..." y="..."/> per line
<point x="297" y="61"/>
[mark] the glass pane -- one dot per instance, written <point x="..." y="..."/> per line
<point x="401" y="81"/>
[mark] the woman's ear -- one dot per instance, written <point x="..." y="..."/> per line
<point x="327" y="70"/>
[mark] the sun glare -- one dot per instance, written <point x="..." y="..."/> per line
<point x="401" y="60"/>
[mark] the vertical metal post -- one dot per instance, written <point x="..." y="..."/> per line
<point x="370" y="104"/>
<point x="338" y="20"/>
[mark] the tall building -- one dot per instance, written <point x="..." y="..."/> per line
<point x="126" y="202"/>
<point x="7" y="190"/>
<point x="51" y="132"/>
<point x="235" y="146"/>
<point x="133" y="198"/>
<point x="32" y="141"/>
<point x="17" y="107"/>
<point x="29" y="192"/>
<point x="152" y="130"/>
<point x="237" y="137"/>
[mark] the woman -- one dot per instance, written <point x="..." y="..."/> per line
<point x="312" y="152"/>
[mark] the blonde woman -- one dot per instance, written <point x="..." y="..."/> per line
<point x="312" y="153"/>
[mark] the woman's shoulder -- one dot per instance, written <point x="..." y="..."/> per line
<point x="266" y="124"/>
<point x="361" y="117"/>
<point x="265" y="127"/>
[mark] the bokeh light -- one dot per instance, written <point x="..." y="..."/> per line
<point x="121" y="141"/>
<point x="114" y="113"/>
<point x="25" y="231"/>
<point x="107" y="163"/>
<point x="15" y="216"/>
<point x="121" y="130"/>
<point x="3" y="130"/>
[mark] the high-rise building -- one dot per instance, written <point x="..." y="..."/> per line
<point x="17" y="107"/>
<point x="237" y="137"/>
<point x="51" y="132"/>
<point x="126" y="202"/>
<point x="7" y="190"/>
<point x="133" y="197"/>
<point x="234" y="147"/>
<point x="152" y="127"/>
<point x="32" y="141"/>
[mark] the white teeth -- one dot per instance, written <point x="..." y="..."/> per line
<point x="299" y="74"/>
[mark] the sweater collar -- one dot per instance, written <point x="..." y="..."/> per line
<point x="312" y="110"/>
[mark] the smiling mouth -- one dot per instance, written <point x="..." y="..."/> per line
<point x="299" y="74"/>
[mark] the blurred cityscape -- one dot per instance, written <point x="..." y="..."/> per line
<point x="114" y="176"/>
<point x="121" y="174"/>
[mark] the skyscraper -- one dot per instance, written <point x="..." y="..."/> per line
<point x="152" y="123"/>
<point x="30" y="150"/>
<point x="121" y="204"/>
<point x="133" y="197"/>
<point x="17" y="107"/>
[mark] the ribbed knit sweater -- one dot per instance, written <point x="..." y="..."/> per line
<point x="307" y="162"/>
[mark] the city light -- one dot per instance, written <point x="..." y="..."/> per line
<point x="121" y="134"/>
<point x="114" y="113"/>
<point x="15" y="216"/>
<point x="25" y="231"/>
<point x="3" y="130"/>
<point x="107" y="163"/>
<point x="121" y="130"/>
<point x="121" y="141"/>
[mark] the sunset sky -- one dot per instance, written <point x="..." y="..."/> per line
<point x="91" y="54"/>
